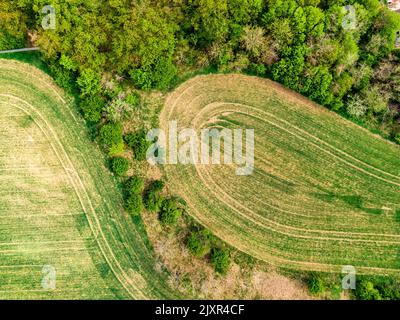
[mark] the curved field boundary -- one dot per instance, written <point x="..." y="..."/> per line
<point x="123" y="247"/>
<point x="254" y="225"/>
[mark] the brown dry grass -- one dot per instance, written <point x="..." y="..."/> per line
<point x="196" y="278"/>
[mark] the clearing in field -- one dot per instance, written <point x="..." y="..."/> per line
<point x="59" y="207"/>
<point x="324" y="193"/>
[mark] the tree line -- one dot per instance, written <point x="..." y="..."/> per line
<point x="343" y="59"/>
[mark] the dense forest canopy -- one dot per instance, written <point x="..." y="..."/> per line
<point x="339" y="53"/>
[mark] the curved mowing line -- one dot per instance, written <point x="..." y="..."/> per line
<point x="216" y="105"/>
<point x="80" y="188"/>
<point x="225" y="199"/>
<point x="219" y="104"/>
<point x="132" y="259"/>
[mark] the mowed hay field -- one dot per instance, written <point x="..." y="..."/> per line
<point x="325" y="193"/>
<point x="59" y="206"/>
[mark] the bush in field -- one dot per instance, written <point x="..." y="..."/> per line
<point x="134" y="185"/>
<point x="92" y="107"/>
<point x="119" y="166"/>
<point x="152" y="197"/>
<point x="315" y="284"/>
<point x="139" y="144"/>
<point x="366" y="291"/>
<point x="199" y="242"/>
<point x="170" y="212"/>
<point x="133" y="195"/>
<point x="111" y="140"/>
<point x="220" y="260"/>
<point x="134" y="204"/>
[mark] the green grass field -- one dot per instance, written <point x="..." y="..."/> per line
<point x="59" y="206"/>
<point x="325" y="193"/>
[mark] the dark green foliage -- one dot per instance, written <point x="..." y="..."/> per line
<point x="152" y="196"/>
<point x="138" y="143"/>
<point x="316" y="284"/>
<point x="378" y="288"/>
<point x="170" y="212"/>
<point x="257" y="69"/>
<point x="92" y="107"/>
<point x="134" y="204"/>
<point x="301" y="44"/>
<point x="199" y="242"/>
<point x="63" y="77"/>
<point x="220" y="260"/>
<point x="134" y="185"/>
<point x="133" y="195"/>
<point x="119" y="166"/>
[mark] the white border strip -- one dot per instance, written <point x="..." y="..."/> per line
<point x="20" y="50"/>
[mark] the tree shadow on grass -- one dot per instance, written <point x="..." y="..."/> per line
<point x="354" y="201"/>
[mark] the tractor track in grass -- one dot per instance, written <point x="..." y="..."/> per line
<point x="131" y="281"/>
<point x="194" y="105"/>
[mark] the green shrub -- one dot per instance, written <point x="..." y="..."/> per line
<point x="134" y="204"/>
<point x="139" y="144"/>
<point x="315" y="284"/>
<point x="89" y="82"/>
<point x="156" y="186"/>
<point x="11" y="40"/>
<point x="153" y="201"/>
<point x="199" y="242"/>
<point x="257" y="69"/>
<point x="170" y="212"/>
<point x="63" y="77"/>
<point x="157" y="75"/>
<point x="119" y="166"/>
<point x="220" y="260"/>
<point x="366" y="290"/>
<point x="118" y="110"/>
<point x="111" y="138"/>
<point x="92" y="107"/>
<point x="134" y="185"/>
<point x="397" y="138"/>
<point x="152" y="197"/>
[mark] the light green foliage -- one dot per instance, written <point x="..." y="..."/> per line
<point x="89" y="83"/>
<point x="367" y="291"/>
<point x="134" y="185"/>
<point x="110" y="137"/>
<point x="133" y="99"/>
<point x="119" y="166"/>
<point x="170" y="212"/>
<point x="356" y="107"/>
<point x="374" y="100"/>
<point x="12" y="26"/>
<point x="134" y="204"/>
<point x="199" y="242"/>
<point x="220" y="259"/>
